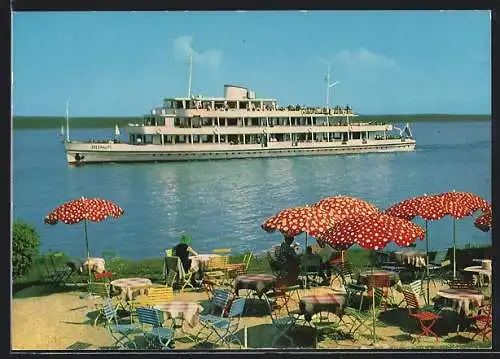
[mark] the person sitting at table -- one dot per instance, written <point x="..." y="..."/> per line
<point x="289" y="260"/>
<point x="182" y="250"/>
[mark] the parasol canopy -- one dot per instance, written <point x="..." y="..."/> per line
<point x="344" y="207"/>
<point x="484" y="221"/>
<point x="462" y="204"/>
<point x="373" y="231"/>
<point x="90" y="209"/>
<point x="293" y="221"/>
<point x="84" y="209"/>
<point x="429" y="207"/>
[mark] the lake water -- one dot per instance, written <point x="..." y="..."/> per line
<point x="222" y="203"/>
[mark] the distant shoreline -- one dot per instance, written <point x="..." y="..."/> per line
<point x="50" y="122"/>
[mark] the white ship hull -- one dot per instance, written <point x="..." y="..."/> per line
<point x="80" y="152"/>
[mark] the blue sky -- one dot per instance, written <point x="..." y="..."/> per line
<point x="125" y="63"/>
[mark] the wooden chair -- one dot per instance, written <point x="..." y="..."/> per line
<point x="216" y="271"/>
<point x="236" y="269"/>
<point x="155" y="296"/>
<point x="426" y="319"/>
<point x="417" y="287"/>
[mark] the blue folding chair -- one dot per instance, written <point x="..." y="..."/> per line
<point x="120" y="332"/>
<point x="152" y="318"/>
<point x="226" y="328"/>
<point x="218" y="307"/>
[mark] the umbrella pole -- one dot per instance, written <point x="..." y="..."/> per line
<point x="427" y="260"/>
<point x="305" y="262"/>
<point x="454" y="251"/>
<point x="88" y="251"/>
<point x="373" y="311"/>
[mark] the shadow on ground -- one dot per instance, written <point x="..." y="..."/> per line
<point x="41" y="290"/>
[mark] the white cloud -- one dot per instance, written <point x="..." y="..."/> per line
<point x="362" y="58"/>
<point x="183" y="46"/>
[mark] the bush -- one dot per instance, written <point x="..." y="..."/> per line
<point x="25" y="246"/>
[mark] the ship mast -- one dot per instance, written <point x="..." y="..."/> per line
<point x="67" y="121"/>
<point x="328" y="87"/>
<point x="190" y="77"/>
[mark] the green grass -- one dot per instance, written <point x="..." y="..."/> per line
<point x="54" y="122"/>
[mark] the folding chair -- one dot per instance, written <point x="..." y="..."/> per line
<point x="344" y="272"/>
<point x="236" y="269"/>
<point x="152" y="327"/>
<point x="56" y="273"/>
<point x="226" y="328"/>
<point x="286" y="297"/>
<point x="283" y="324"/>
<point x="100" y="290"/>
<point x="217" y="270"/>
<point x="426" y="319"/>
<point x="168" y="253"/>
<point x="174" y="265"/>
<point x="119" y="332"/>
<point x="276" y="266"/>
<point x="382" y="282"/>
<point x="438" y="268"/>
<point x="219" y="306"/>
<point x="417" y="287"/>
<point x="155" y="296"/>
<point x="485" y="318"/>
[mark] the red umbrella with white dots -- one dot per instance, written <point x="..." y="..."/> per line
<point x="345" y="207"/>
<point x="459" y="205"/>
<point x="484" y="221"/>
<point x="84" y="209"/>
<point x="373" y="231"/>
<point x="294" y="221"/>
<point x="313" y="221"/>
<point x="429" y="208"/>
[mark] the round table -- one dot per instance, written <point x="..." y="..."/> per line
<point x="178" y="309"/>
<point x="131" y="287"/>
<point x="364" y="276"/>
<point x="312" y="304"/>
<point x="260" y="283"/>
<point x="480" y="272"/>
<point x="463" y="300"/>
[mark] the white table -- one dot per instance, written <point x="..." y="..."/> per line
<point x="130" y="285"/>
<point x="480" y="273"/>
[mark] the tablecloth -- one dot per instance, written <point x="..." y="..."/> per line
<point x="312" y="304"/>
<point x="131" y="287"/>
<point x="463" y="300"/>
<point x="97" y="264"/>
<point x="200" y="261"/>
<point x="188" y="311"/>
<point x="393" y="277"/>
<point x="260" y="283"/>
<point x="412" y="257"/>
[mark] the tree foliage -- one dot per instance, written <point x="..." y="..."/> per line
<point x="25" y="246"/>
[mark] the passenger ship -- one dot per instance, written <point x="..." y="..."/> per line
<point x="240" y="125"/>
